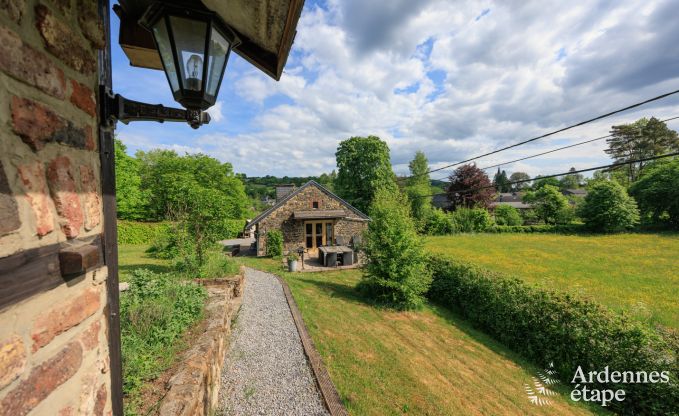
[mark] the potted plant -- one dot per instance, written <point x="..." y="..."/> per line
<point x="292" y="261"/>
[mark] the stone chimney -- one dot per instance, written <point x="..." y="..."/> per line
<point x="284" y="190"/>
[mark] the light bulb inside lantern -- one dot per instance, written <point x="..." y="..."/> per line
<point x="194" y="72"/>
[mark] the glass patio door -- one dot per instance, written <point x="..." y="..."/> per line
<point x="318" y="233"/>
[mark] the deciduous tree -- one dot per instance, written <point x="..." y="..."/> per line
<point x="657" y="192"/>
<point x="419" y="187"/>
<point x="364" y="167"/>
<point x="549" y="204"/>
<point x="470" y="187"/>
<point x="519" y="176"/>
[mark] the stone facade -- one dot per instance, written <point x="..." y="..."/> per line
<point x="54" y="356"/>
<point x="281" y="218"/>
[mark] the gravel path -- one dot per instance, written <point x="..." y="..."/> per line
<point x="265" y="370"/>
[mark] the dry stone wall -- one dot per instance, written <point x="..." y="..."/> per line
<point x="194" y="389"/>
<point x="54" y="356"/>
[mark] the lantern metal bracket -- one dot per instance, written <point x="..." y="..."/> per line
<point x="118" y="108"/>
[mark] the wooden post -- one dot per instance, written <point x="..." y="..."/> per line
<point x="108" y="188"/>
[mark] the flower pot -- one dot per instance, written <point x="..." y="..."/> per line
<point x="292" y="265"/>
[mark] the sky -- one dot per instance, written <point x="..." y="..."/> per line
<point x="452" y="79"/>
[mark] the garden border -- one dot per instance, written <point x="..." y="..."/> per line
<point x="328" y="390"/>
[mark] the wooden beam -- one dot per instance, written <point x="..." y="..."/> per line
<point x="110" y="237"/>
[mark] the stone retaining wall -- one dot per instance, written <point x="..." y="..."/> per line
<point x="194" y="390"/>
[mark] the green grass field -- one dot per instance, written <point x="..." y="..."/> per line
<point x="424" y="362"/>
<point x="133" y="256"/>
<point x="634" y="273"/>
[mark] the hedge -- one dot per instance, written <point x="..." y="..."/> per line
<point x="546" y="326"/>
<point x="539" y="228"/>
<point x="134" y="232"/>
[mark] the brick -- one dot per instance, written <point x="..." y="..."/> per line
<point x="62" y="42"/>
<point x="90" y="23"/>
<point x="90" y="337"/>
<point x="64" y="317"/>
<point x="42" y="381"/>
<point x="35" y="188"/>
<point x="35" y="123"/>
<point x="90" y="144"/>
<point x="100" y="403"/>
<point x="28" y="65"/>
<point x="13" y="8"/>
<point x="9" y="213"/>
<point x="83" y="98"/>
<point x="38" y="125"/>
<point x="12" y="360"/>
<point x="91" y="197"/>
<point x="66" y="200"/>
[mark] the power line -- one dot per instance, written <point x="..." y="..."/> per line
<point x="629" y="107"/>
<point x="612" y="165"/>
<point x="553" y="150"/>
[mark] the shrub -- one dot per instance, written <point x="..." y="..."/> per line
<point x="607" y="207"/>
<point x="274" y="243"/>
<point x="507" y="215"/>
<point x="133" y="232"/>
<point x="469" y="220"/>
<point x="438" y="223"/>
<point x="154" y="314"/>
<point x="546" y="326"/>
<point x="396" y="272"/>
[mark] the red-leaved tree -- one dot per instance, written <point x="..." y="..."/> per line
<point x="470" y="187"/>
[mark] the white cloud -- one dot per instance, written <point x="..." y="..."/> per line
<point x="215" y="112"/>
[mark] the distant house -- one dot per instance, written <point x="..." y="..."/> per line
<point x="512" y="199"/>
<point x="309" y="217"/>
<point x="441" y="202"/>
<point x="575" y="192"/>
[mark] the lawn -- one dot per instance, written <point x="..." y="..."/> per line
<point x="134" y="256"/>
<point x="424" y="362"/>
<point x="634" y="273"/>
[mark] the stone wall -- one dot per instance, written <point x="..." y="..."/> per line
<point x="194" y="390"/>
<point x="54" y="355"/>
<point x="293" y="230"/>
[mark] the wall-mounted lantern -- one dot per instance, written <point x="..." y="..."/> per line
<point x="191" y="42"/>
<point x="194" y="48"/>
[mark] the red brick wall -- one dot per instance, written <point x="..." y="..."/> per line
<point x="53" y="345"/>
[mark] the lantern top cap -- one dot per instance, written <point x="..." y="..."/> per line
<point x="158" y="10"/>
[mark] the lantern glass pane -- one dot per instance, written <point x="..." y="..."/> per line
<point x="189" y="38"/>
<point x="165" y="51"/>
<point x="218" y="55"/>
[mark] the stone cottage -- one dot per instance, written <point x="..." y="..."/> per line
<point x="309" y="217"/>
